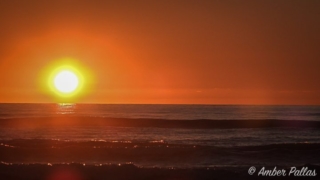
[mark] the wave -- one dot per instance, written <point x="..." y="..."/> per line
<point x="159" y="123"/>
<point x="158" y="154"/>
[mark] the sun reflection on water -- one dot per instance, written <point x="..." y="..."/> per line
<point x="66" y="108"/>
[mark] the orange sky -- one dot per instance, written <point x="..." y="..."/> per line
<point x="169" y="51"/>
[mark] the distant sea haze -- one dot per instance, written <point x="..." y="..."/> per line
<point x="167" y="112"/>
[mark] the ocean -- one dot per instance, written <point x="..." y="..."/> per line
<point x="23" y="127"/>
<point x="160" y="111"/>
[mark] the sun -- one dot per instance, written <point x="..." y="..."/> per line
<point x="66" y="81"/>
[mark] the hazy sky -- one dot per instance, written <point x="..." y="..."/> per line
<point x="216" y="52"/>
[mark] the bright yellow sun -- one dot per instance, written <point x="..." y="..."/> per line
<point x="66" y="81"/>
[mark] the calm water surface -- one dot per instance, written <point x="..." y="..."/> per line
<point x="183" y="112"/>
